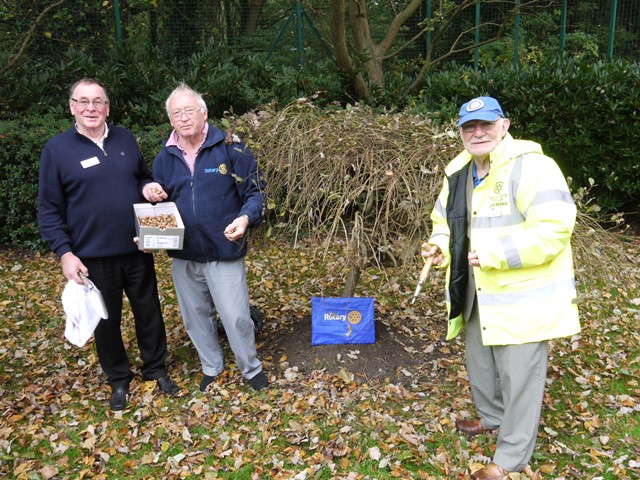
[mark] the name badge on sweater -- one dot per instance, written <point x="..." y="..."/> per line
<point x="90" y="162"/>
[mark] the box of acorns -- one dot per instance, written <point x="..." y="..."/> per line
<point x="158" y="226"/>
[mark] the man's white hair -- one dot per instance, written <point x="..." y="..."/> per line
<point x="184" y="88"/>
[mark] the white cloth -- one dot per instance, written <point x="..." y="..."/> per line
<point x="82" y="317"/>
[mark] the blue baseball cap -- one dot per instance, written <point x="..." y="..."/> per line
<point x="480" y="108"/>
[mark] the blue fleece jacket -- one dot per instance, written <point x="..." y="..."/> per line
<point x="226" y="183"/>
<point x="86" y="194"/>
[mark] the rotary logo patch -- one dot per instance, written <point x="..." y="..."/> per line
<point x="223" y="169"/>
<point x="498" y="187"/>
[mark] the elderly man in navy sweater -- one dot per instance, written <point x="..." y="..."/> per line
<point x="90" y="177"/>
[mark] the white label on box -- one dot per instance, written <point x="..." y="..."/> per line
<point x="161" y="241"/>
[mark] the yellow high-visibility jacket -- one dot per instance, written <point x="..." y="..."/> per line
<point x="522" y="217"/>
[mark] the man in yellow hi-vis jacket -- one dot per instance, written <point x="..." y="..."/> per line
<point x="502" y="226"/>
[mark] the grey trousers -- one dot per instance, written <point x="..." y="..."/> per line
<point x="203" y="288"/>
<point x="507" y="383"/>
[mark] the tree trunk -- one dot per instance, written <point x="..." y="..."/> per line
<point x="343" y="59"/>
<point x="252" y="16"/>
<point x="352" y="281"/>
<point x="365" y="44"/>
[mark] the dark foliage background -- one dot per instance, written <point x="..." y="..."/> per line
<point x="580" y="105"/>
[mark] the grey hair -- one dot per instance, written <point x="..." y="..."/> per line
<point x="88" y="81"/>
<point x="184" y="88"/>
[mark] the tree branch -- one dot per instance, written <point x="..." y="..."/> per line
<point x="28" y="37"/>
<point x="426" y="65"/>
<point x="428" y="62"/>
<point x="399" y="20"/>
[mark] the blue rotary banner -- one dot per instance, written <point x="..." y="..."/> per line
<point x="342" y="320"/>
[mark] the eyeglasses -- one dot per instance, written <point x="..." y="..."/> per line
<point x="470" y="127"/>
<point x="84" y="103"/>
<point x="189" y="112"/>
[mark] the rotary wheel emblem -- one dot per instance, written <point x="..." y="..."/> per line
<point x="354" y="317"/>
<point x="223" y="169"/>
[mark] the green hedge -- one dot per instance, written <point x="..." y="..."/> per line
<point x="21" y="143"/>
<point x="585" y="115"/>
<point x="139" y="79"/>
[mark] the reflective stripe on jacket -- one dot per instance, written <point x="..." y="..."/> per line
<point x="522" y="217"/>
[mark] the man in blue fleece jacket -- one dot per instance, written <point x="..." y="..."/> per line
<point x="90" y="177"/>
<point x="218" y="189"/>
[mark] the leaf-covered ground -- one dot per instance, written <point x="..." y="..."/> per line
<point x="351" y="412"/>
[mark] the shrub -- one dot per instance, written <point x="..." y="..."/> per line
<point x="22" y="142"/>
<point x="587" y="117"/>
<point x="150" y="139"/>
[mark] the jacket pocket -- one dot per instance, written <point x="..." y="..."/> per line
<point x="519" y="277"/>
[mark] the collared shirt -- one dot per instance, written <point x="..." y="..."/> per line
<point x="174" y="140"/>
<point x="477" y="181"/>
<point x="100" y="142"/>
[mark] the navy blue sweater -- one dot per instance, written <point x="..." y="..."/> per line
<point x="86" y="195"/>
<point x="226" y="183"/>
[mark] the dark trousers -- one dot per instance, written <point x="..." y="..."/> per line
<point x="135" y="275"/>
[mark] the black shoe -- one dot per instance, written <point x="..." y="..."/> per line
<point x="205" y="382"/>
<point x="168" y="386"/>
<point x="118" y="398"/>
<point x="259" y="381"/>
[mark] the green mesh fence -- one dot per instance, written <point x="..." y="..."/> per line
<point x="294" y="31"/>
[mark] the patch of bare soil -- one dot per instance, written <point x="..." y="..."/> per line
<point x="393" y="358"/>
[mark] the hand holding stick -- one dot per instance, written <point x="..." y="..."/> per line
<point x="423" y="276"/>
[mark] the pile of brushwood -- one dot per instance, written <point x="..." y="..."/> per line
<point x="371" y="179"/>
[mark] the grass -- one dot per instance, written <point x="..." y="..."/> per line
<point x="54" y="420"/>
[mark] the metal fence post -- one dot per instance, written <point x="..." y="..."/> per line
<point x="298" y="11"/>
<point x="300" y="42"/>
<point x="280" y="36"/>
<point x="476" y="53"/>
<point x="612" y="28"/>
<point x="563" y="26"/>
<point x="116" y="8"/>
<point x="429" y="14"/>
<point x="516" y="36"/>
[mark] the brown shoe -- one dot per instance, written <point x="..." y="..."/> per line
<point x="491" y="472"/>
<point x="472" y="427"/>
